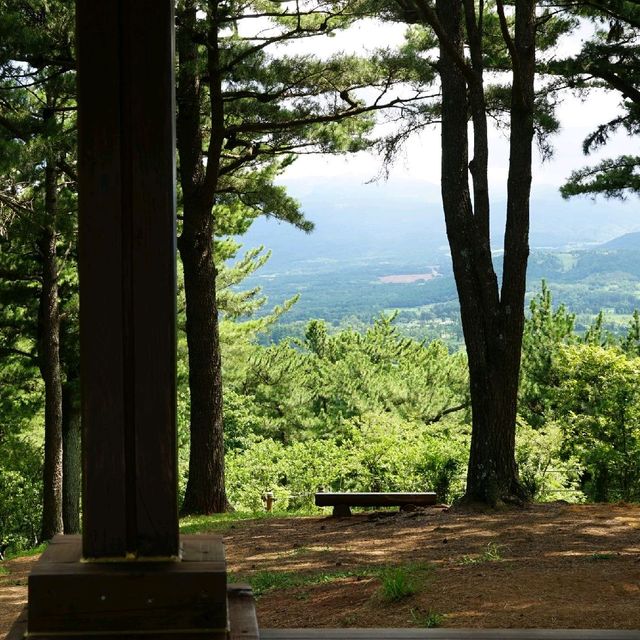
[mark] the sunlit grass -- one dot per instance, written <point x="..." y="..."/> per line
<point x="219" y="522"/>
<point x="601" y="556"/>
<point x="492" y="553"/>
<point x="396" y="582"/>
<point x="427" y="619"/>
<point x="10" y="553"/>
<point x="266" y="581"/>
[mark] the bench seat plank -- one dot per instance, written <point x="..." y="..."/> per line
<point x="382" y="499"/>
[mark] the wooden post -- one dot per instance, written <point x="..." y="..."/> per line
<point x="127" y="277"/>
<point x="130" y="576"/>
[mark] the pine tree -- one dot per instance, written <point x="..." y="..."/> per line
<point x="37" y="202"/>
<point x="610" y="60"/>
<point x="245" y="109"/>
<point x="473" y="39"/>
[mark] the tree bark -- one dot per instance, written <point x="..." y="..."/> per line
<point x="205" y="492"/>
<point x="71" y="457"/>
<point x="492" y="321"/>
<point x="49" y="357"/>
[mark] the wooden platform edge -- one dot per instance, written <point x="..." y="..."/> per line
<point x="449" y="634"/>
<point x="243" y="621"/>
<point x="19" y="627"/>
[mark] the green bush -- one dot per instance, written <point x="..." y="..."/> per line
<point x="20" y="509"/>
<point x="598" y="406"/>
<point x="373" y="453"/>
<point x="545" y="472"/>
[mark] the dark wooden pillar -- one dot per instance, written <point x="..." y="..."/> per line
<point x="127" y="277"/>
<point x="130" y="576"/>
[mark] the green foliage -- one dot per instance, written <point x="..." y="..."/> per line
<point x="266" y="581"/>
<point x="611" y="178"/>
<point x="598" y="407"/>
<point x="25" y="552"/>
<point x="631" y="342"/>
<point x="37" y="147"/>
<point x="609" y="59"/>
<point x="579" y="401"/>
<point x="546" y="329"/>
<point x="344" y="411"/>
<point x="20" y="508"/>
<point x="547" y="471"/>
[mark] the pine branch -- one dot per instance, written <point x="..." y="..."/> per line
<point x="258" y="127"/>
<point x="428" y="14"/>
<point x="446" y="412"/>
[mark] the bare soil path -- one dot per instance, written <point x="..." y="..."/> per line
<point x="554" y="565"/>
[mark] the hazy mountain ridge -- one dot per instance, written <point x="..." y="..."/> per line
<point x="356" y="224"/>
<point x="588" y="253"/>
<point x="626" y="241"/>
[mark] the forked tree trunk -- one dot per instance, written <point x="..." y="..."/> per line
<point x="49" y="358"/>
<point x="492" y="320"/>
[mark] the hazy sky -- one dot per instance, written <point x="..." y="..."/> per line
<point x="420" y="166"/>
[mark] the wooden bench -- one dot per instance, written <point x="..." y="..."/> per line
<point x="341" y="502"/>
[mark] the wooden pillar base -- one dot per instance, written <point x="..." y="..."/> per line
<point x="176" y="600"/>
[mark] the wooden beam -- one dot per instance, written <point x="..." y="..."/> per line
<point x="127" y="277"/>
<point x="375" y="499"/>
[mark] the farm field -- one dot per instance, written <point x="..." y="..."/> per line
<point x="551" y="565"/>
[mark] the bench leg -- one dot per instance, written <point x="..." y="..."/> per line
<point x="341" y="511"/>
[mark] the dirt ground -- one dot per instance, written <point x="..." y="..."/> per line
<point x="554" y="565"/>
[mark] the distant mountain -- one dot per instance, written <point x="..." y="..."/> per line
<point x="626" y="241"/>
<point x="403" y="223"/>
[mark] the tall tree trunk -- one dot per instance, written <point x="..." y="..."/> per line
<point x="492" y="321"/>
<point x="71" y="456"/>
<point x="49" y="356"/>
<point x="205" y="492"/>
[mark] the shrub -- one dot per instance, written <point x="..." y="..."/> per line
<point x="397" y="583"/>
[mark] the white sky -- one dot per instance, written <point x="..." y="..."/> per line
<point x="421" y="162"/>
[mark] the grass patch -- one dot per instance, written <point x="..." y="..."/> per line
<point x="493" y="553"/>
<point x="25" y="553"/>
<point x="397" y="583"/>
<point x="219" y="521"/>
<point x="427" y="619"/>
<point x="303" y="551"/>
<point x="601" y="556"/>
<point x="266" y="581"/>
<point x="4" y="571"/>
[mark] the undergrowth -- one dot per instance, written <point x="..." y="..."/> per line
<point x="427" y="619"/>
<point x="396" y="583"/>
<point x="266" y="581"/>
